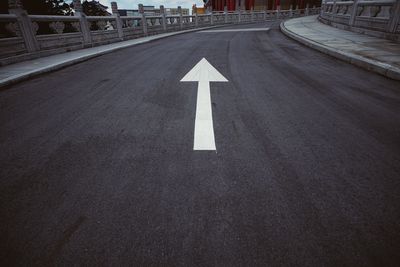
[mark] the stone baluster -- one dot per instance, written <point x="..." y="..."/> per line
<point x="384" y="12"/>
<point x="307" y="10"/>
<point x="291" y="11"/>
<point x="366" y="12"/>
<point x="252" y="13"/>
<point x="25" y="25"/>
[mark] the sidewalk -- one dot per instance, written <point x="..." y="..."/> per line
<point x="371" y="53"/>
<point x="14" y="73"/>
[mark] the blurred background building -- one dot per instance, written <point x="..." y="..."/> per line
<point x="232" y="5"/>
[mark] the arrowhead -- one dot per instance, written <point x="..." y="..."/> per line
<point x="204" y="71"/>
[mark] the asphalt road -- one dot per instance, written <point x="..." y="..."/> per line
<point x="97" y="163"/>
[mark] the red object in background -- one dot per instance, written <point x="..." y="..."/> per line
<point x="219" y="5"/>
<point x="229" y="5"/>
<point x="277" y="4"/>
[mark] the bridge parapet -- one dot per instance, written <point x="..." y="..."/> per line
<point x="378" y="18"/>
<point x="24" y="36"/>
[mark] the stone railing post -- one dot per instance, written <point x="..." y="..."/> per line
<point x="144" y="20"/>
<point x="118" y="20"/>
<point x="196" y="18"/>
<point x="291" y="11"/>
<point x="180" y="17"/>
<point x="211" y="17"/>
<point x="226" y="14"/>
<point x="307" y="10"/>
<point x="278" y="9"/>
<point x="394" y="17"/>
<point x="354" y="11"/>
<point x="334" y="7"/>
<point x="265" y="13"/>
<point x="240" y="14"/>
<point x="25" y="25"/>
<point x="252" y="14"/>
<point x="163" y="18"/>
<point x="322" y="8"/>
<point x="85" y="29"/>
<point x="237" y="10"/>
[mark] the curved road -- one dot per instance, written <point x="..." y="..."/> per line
<point x="97" y="163"/>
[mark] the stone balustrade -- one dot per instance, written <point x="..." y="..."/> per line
<point x="24" y="36"/>
<point x="380" y="18"/>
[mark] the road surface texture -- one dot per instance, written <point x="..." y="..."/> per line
<point x="97" y="163"/>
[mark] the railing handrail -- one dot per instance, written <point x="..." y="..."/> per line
<point x="131" y="17"/>
<point x="363" y="2"/>
<point x="8" y="16"/>
<point x="376" y="3"/>
<point x="101" y="18"/>
<point x="53" y="17"/>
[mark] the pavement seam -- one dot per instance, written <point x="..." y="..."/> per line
<point x="384" y="69"/>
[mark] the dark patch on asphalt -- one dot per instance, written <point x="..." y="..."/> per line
<point x="67" y="234"/>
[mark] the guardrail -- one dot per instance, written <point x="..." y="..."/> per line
<point x="24" y="36"/>
<point x="377" y="18"/>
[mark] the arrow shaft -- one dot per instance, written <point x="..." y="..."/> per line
<point x="203" y="128"/>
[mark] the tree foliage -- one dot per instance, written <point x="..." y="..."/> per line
<point x="47" y="7"/>
<point x="3" y="7"/>
<point x="57" y="7"/>
<point x="94" y="8"/>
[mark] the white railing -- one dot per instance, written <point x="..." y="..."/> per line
<point x="382" y="16"/>
<point x="36" y="34"/>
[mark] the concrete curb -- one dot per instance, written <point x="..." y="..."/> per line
<point x="384" y="69"/>
<point x="29" y="74"/>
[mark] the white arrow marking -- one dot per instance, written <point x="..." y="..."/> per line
<point x="204" y="73"/>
